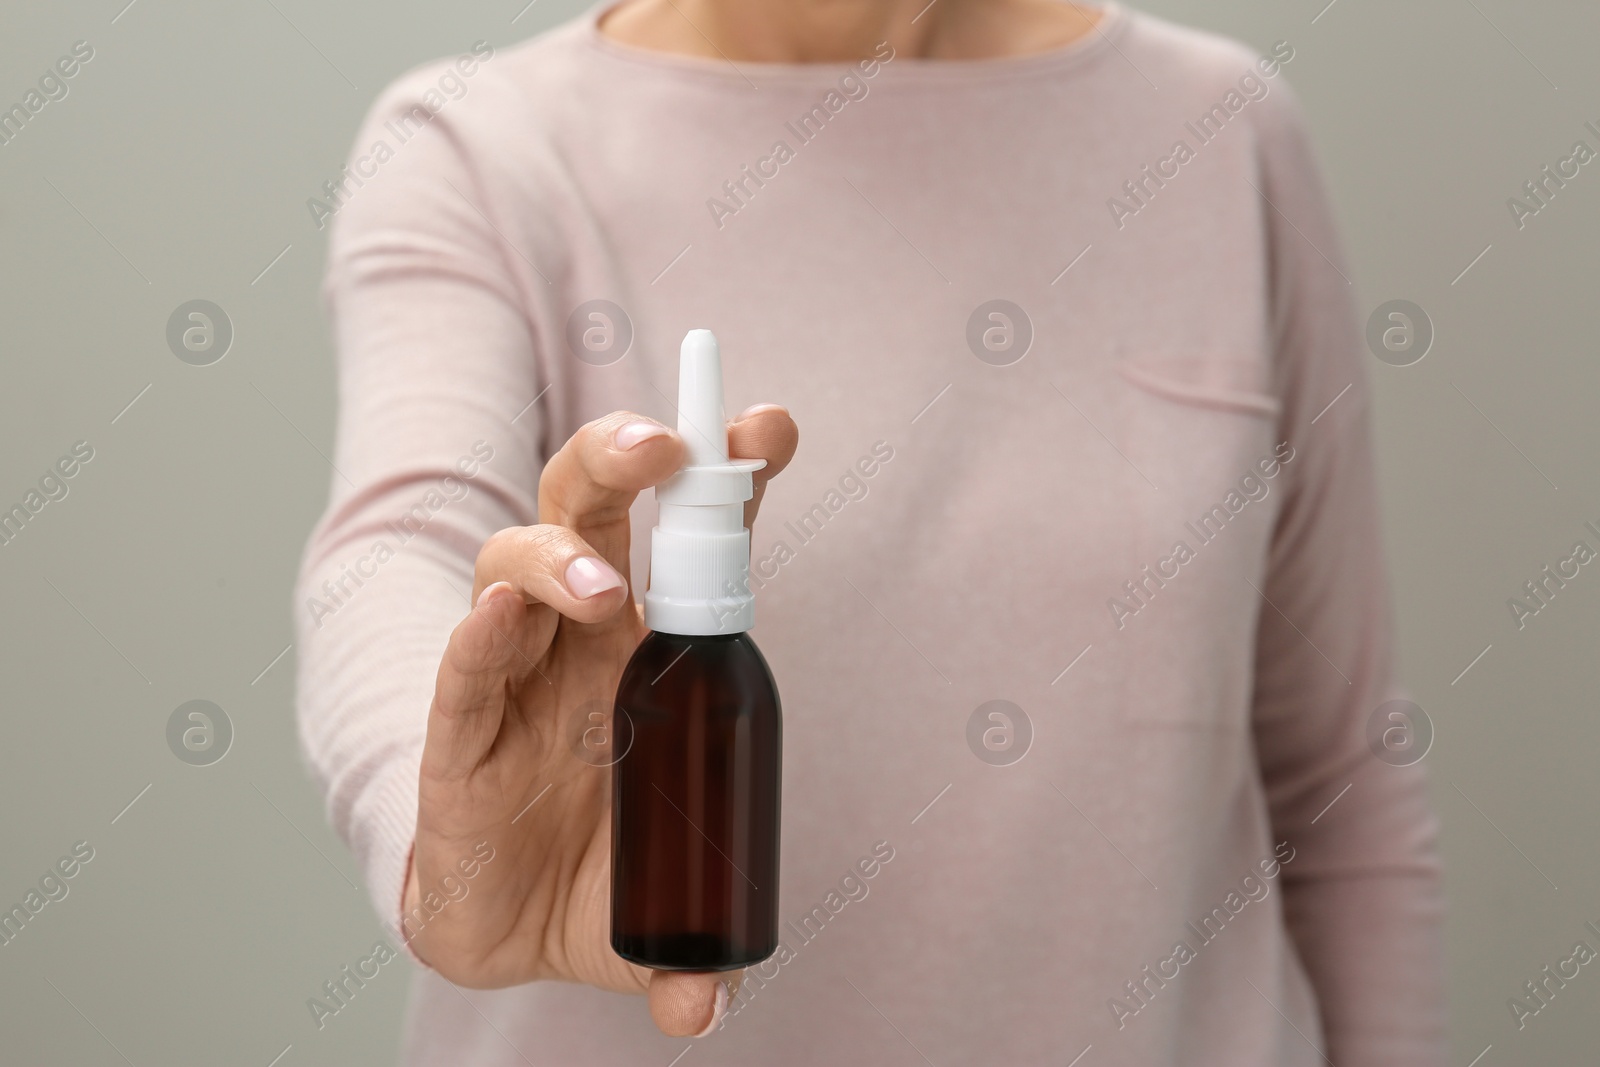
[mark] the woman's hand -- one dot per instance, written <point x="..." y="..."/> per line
<point x="553" y="625"/>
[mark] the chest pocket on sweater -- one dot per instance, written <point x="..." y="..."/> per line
<point x="1204" y="431"/>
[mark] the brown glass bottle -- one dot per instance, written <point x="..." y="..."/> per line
<point x="694" y="832"/>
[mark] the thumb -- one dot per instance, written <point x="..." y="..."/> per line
<point x="691" y="1005"/>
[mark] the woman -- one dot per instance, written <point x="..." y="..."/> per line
<point x="1055" y="292"/>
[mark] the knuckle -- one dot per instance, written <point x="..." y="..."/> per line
<point x="597" y="430"/>
<point x="473" y="648"/>
<point x="517" y="548"/>
<point x="548" y="541"/>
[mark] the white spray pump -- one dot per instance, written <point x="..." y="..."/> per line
<point x="700" y="549"/>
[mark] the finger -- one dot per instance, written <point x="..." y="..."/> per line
<point x="554" y="566"/>
<point x="486" y="651"/>
<point x="590" y="484"/>
<point x="691" y="1005"/>
<point x="765" y="431"/>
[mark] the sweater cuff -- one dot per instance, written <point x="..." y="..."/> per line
<point x="387" y="814"/>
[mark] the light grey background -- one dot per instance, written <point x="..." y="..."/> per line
<point x="178" y="167"/>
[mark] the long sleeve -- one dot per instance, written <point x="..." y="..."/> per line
<point x="438" y="446"/>
<point x="575" y="171"/>
<point x="1363" y="896"/>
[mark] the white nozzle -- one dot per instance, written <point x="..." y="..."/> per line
<point x="701" y="422"/>
<point x="700" y="549"/>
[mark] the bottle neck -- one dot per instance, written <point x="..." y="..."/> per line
<point x="700" y="571"/>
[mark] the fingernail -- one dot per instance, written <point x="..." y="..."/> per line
<point x="719" y="1008"/>
<point x="489" y="591"/>
<point x="587" y="577"/>
<point x="757" y="409"/>
<point x="635" y="432"/>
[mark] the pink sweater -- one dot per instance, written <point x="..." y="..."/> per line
<point x="1141" y="510"/>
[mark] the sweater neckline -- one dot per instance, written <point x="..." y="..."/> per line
<point x="1077" y="53"/>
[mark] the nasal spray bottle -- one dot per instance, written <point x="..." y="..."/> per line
<point x="694" y="842"/>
